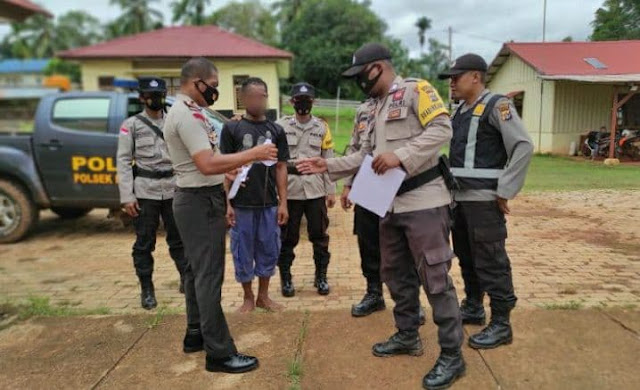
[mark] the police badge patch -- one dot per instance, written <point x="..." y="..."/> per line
<point x="505" y="112"/>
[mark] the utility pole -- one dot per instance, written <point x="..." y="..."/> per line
<point x="544" y="21"/>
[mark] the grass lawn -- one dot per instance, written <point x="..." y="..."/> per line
<point x="547" y="173"/>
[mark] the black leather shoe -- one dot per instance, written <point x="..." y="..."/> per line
<point x="234" y="364"/>
<point x="422" y="316"/>
<point x="193" y="341"/>
<point x="148" y="296"/>
<point x="371" y="303"/>
<point x="449" y="367"/>
<point x="322" y="284"/>
<point x="472" y="312"/>
<point x="401" y="343"/>
<point x="287" y="288"/>
<point x="497" y="333"/>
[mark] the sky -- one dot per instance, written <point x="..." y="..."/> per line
<point x="479" y="26"/>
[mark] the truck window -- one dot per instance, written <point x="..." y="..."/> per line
<point x="85" y="114"/>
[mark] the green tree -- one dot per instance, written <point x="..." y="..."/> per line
<point x="76" y="29"/>
<point x="58" y="66"/>
<point x="323" y="38"/>
<point x="287" y="10"/>
<point x="33" y="38"/>
<point x="137" y="16"/>
<point x="423" y="25"/>
<point x="617" y="20"/>
<point x="190" y="12"/>
<point x="250" y="19"/>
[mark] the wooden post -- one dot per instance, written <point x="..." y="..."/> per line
<point x="614" y="117"/>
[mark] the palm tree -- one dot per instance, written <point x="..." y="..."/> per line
<point x="423" y="25"/>
<point x="189" y="12"/>
<point x="33" y="38"/>
<point x="137" y="16"/>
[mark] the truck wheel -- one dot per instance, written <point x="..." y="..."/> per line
<point x="18" y="213"/>
<point x="70" y="213"/>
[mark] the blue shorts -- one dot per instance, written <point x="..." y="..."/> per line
<point x="255" y="243"/>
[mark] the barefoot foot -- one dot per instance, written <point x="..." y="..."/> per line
<point x="247" y="307"/>
<point x="268" y="304"/>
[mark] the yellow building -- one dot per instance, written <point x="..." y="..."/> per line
<point x="163" y="52"/>
<point x="565" y="89"/>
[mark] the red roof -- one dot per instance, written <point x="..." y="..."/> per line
<point x="184" y="41"/>
<point x="570" y="58"/>
<point x="20" y="9"/>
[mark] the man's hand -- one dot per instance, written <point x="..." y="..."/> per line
<point x="312" y="165"/>
<point x="232" y="174"/>
<point x="344" y="198"/>
<point x="504" y="206"/>
<point x="331" y="200"/>
<point x="283" y="214"/>
<point x="385" y="161"/>
<point x="132" y="208"/>
<point x="265" y="152"/>
<point x="231" y="216"/>
<point x="236" y="117"/>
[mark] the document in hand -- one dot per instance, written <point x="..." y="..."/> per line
<point x="375" y="192"/>
<point x="241" y="178"/>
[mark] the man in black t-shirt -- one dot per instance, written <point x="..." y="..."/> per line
<point x="259" y="205"/>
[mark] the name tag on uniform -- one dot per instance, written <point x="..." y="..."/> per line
<point x="397" y="113"/>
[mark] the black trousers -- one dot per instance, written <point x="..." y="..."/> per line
<point x="200" y="215"/>
<point x="146" y="226"/>
<point x="315" y="211"/>
<point x="415" y="251"/>
<point x="479" y="234"/>
<point x="366" y="225"/>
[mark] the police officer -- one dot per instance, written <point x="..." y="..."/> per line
<point x="200" y="208"/>
<point x="307" y="136"/>
<point x="409" y="127"/>
<point x="365" y="224"/>
<point x="490" y="154"/>
<point x="146" y="184"/>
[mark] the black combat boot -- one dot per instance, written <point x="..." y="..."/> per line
<point x="287" y="288"/>
<point x="372" y="301"/>
<point x="404" y="342"/>
<point x="449" y="367"/>
<point x="148" y="294"/>
<point x="472" y="311"/>
<point x="321" y="282"/>
<point x="498" y="331"/>
<point x="193" y="341"/>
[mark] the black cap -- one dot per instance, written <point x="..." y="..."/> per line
<point x="466" y="63"/>
<point x="303" y="89"/>
<point x="366" y="54"/>
<point x="151" y="84"/>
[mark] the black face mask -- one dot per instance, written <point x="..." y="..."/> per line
<point x="366" y="84"/>
<point x="210" y="94"/>
<point x="155" y="102"/>
<point x="303" y="106"/>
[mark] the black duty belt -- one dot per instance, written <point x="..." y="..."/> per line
<point x="140" y="172"/>
<point x="419" y="180"/>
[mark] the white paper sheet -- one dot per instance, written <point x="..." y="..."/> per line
<point x="268" y="162"/>
<point x="240" y="178"/>
<point x="375" y="192"/>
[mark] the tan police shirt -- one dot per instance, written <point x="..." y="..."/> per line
<point x="187" y="132"/>
<point x="361" y="128"/>
<point x="311" y="139"/>
<point x="412" y="122"/>
<point x="139" y="145"/>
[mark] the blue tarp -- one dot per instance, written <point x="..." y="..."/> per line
<point x="23" y="66"/>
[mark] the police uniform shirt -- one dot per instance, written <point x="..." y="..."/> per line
<point x="188" y="132"/>
<point x="361" y="127"/>
<point x="311" y="139"/>
<point x="518" y="145"/>
<point x="138" y="144"/>
<point x="412" y="122"/>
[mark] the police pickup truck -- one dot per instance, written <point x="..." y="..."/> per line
<point x="68" y="163"/>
